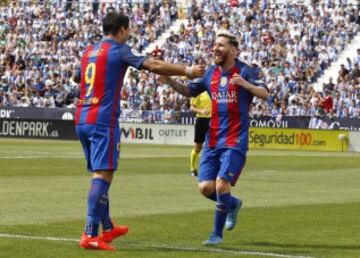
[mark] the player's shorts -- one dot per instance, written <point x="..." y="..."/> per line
<point x="101" y="146"/>
<point x="223" y="163"/>
<point x="201" y="128"/>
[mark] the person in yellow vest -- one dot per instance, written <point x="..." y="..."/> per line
<point x="201" y="105"/>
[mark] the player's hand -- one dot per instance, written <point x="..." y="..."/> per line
<point x="197" y="71"/>
<point x="238" y="80"/>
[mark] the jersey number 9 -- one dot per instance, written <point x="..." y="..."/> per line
<point x="90" y="72"/>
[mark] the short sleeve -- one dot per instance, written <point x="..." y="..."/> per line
<point x="130" y="59"/>
<point x="254" y="79"/>
<point x="197" y="87"/>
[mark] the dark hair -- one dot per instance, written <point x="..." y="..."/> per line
<point x="232" y="39"/>
<point x="113" y="22"/>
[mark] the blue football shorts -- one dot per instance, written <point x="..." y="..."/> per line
<point x="222" y="163"/>
<point x="101" y="146"/>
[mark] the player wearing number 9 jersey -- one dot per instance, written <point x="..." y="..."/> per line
<point x="103" y="67"/>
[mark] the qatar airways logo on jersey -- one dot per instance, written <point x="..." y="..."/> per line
<point x="225" y="96"/>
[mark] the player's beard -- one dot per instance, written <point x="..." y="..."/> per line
<point x="220" y="57"/>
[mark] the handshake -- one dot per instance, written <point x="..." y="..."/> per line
<point x="192" y="72"/>
<point x="195" y="71"/>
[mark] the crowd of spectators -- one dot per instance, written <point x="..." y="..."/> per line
<point x="41" y="44"/>
<point x="292" y="43"/>
<point x="340" y="98"/>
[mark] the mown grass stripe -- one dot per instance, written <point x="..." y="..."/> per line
<point x="162" y="246"/>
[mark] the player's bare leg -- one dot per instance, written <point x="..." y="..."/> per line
<point x="207" y="188"/>
<point x="105" y="175"/>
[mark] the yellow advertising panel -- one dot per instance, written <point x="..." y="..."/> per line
<point x="298" y="139"/>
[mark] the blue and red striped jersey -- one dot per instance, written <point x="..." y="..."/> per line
<point x="229" y="124"/>
<point x="102" y="71"/>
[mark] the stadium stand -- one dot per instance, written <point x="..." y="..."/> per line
<point x="293" y="44"/>
<point x="41" y="44"/>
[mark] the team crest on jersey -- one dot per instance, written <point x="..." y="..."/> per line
<point x="223" y="81"/>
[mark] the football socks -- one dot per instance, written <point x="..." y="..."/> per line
<point x="97" y="205"/>
<point x="222" y="209"/>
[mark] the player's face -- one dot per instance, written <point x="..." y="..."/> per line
<point x="223" y="51"/>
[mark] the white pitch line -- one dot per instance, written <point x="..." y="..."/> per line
<point x="81" y="157"/>
<point x="175" y="248"/>
<point x="39" y="238"/>
<point x="39" y="157"/>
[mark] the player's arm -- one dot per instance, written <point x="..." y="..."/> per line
<point x="178" y="87"/>
<point x="194" y="89"/>
<point x="257" y="89"/>
<point x="160" y="67"/>
<point x="168" y="69"/>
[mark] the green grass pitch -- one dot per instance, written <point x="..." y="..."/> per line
<point x="295" y="203"/>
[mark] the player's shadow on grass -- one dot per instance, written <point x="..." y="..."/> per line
<point x="315" y="246"/>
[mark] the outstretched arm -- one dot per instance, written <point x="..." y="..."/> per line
<point x="158" y="66"/>
<point x="178" y="87"/>
<point x="168" y="69"/>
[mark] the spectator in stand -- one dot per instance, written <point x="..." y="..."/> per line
<point x="357" y="58"/>
<point x="157" y="53"/>
<point x="343" y="72"/>
<point x="41" y="44"/>
<point x="40" y="47"/>
<point x="305" y="35"/>
<point x="327" y="102"/>
<point x="1" y="98"/>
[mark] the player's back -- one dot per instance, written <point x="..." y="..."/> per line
<point x="103" y="67"/>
